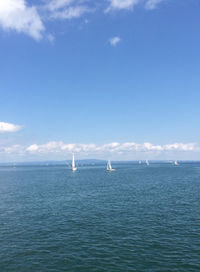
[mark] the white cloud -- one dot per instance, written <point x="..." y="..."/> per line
<point x="70" y="12"/>
<point x="12" y="149"/>
<point x="16" y="15"/>
<point x="152" y="4"/>
<point x="50" y="38"/>
<point x="7" y="127"/>
<point x="66" y="9"/>
<point x="180" y="146"/>
<point x="33" y="148"/>
<point x="129" y="4"/>
<point x="121" y="4"/>
<point x="111" y="147"/>
<point x="114" y="41"/>
<point x="57" y="4"/>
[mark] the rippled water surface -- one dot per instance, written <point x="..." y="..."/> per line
<point x="139" y="218"/>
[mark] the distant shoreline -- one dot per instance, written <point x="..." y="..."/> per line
<point x="87" y="162"/>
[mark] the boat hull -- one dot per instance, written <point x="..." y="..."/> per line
<point x="111" y="170"/>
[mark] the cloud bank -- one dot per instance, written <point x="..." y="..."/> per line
<point x="7" y="127"/>
<point x="58" y="150"/>
<point x="110" y="147"/>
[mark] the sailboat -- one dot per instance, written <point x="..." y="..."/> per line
<point x="147" y="162"/>
<point x="109" y="166"/>
<point x="74" y="168"/>
<point x="140" y="162"/>
<point x="175" y="163"/>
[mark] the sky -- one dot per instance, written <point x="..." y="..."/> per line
<point x="109" y="79"/>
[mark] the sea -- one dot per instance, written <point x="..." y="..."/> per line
<point x="138" y="218"/>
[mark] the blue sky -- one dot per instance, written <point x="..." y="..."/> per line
<point x="113" y="78"/>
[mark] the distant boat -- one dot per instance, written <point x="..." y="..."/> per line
<point x="140" y="162"/>
<point x="175" y="163"/>
<point x="109" y="166"/>
<point x="147" y="162"/>
<point x="74" y="168"/>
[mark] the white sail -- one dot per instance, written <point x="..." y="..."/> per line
<point x="109" y="166"/>
<point x="147" y="162"/>
<point x="140" y="162"/>
<point x="175" y="163"/>
<point x="73" y="164"/>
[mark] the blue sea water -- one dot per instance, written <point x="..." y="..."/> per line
<point x="139" y="218"/>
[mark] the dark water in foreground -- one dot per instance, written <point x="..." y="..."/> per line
<point x="138" y="218"/>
